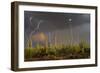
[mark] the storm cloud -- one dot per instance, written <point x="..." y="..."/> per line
<point x="54" y="22"/>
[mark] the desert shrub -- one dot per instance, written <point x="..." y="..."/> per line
<point x="81" y="50"/>
<point x="42" y="52"/>
<point x="77" y="49"/>
<point x="28" y="53"/>
<point x="51" y="51"/>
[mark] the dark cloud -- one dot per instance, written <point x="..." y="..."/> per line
<point x="52" y="21"/>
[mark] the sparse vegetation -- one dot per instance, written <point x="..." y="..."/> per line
<point x="80" y="51"/>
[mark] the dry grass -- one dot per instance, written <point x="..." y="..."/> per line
<point x="80" y="51"/>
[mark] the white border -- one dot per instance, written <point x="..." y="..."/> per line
<point x="34" y="64"/>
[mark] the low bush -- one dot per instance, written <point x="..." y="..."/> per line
<point x="65" y="52"/>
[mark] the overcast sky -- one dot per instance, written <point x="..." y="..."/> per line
<point x="63" y="23"/>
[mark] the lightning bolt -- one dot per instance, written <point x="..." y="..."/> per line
<point x="37" y="27"/>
